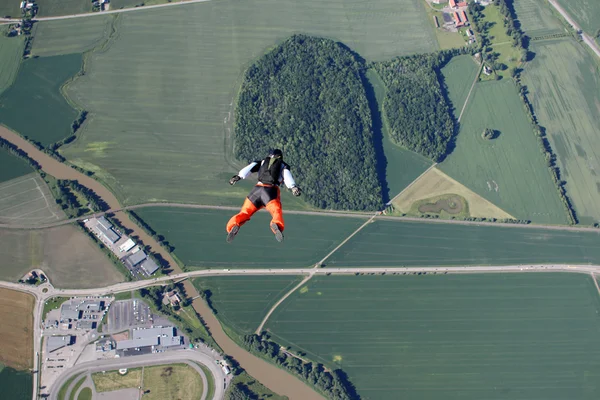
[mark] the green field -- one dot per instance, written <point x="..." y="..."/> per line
<point x="69" y="258"/>
<point x="242" y="302"/>
<point x="585" y="12"/>
<point x="12" y="167"/>
<point x="458" y="75"/>
<point x="536" y="18"/>
<point x="199" y="237"/>
<point x="395" y="243"/>
<point x="10" y="8"/>
<point x="85" y="394"/>
<point x="402" y="166"/>
<point x="28" y="201"/>
<point x="163" y="104"/>
<point x="34" y="105"/>
<point x="501" y="42"/>
<point x="497" y="336"/>
<point x="564" y="87"/>
<point x="11" y="52"/>
<point x="16" y="385"/>
<point x="52" y="8"/>
<point x="510" y="171"/>
<point x="55" y="38"/>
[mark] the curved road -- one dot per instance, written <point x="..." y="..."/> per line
<point x="147" y="360"/>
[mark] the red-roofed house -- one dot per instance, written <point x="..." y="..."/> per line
<point x="463" y="15"/>
<point x="452" y="3"/>
<point x="457" y="20"/>
<point x="462" y="4"/>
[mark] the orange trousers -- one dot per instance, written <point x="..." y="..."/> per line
<point x="248" y="209"/>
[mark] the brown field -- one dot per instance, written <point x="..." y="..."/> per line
<point x="112" y="380"/>
<point x="66" y="254"/>
<point x="452" y="204"/>
<point x="177" y="381"/>
<point x="16" y="329"/>
<point x="436" y="183"/>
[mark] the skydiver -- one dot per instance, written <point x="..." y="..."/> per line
<point x="272" y="171"/>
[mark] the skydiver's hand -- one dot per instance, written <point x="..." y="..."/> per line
<point x="296" y="191"/>
<point x="234" y="179"/>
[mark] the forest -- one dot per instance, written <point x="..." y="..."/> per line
<point x="415" y="107"/>
<point x="306" y="97"/>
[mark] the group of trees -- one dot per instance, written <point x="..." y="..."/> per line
<point x="416" y="108"/>
<point x="335" y="384"/>
<point x="159" y="238"/>
<point x="306" y="97"/>
<point x="14" y="150"/>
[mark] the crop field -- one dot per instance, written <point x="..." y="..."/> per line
<point x="242" y="302"/>
<point x="536" y="18"/>
<point x="394" y="243"/>
<point x="435" y="183"/>
<point x="458" y="75"/>
<point x="52" y="8"/>
<point x="163" y="105"/>
<point x="495" y="336"/>
<point x="11" y="167"/>
<point x="16" y="314"/>
<point x="402" y="166"/>
<point x="176" y="381"/>
<point x="564" y="88"/>
<point x="27" y="201"/>
<point x="199" y="237"/>
<point x="113" y="380"/>
<point x="11" y="52"/>
<point x="16" y="385"/>
<point x="9" y="8"/>
<point x="69" y="258"/>
<point x="509" y="171"/>
<point x="67" y="36"/>
<point x="34" y="106"/>
<point x="585" y="12"/>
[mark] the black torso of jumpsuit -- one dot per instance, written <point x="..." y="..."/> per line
<point x="269" y="174"/>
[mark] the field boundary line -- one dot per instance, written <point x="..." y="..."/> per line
<point x="410" y="184"/>
<point x="470" y="92"/>
<point x="595" y="282"/>
<point x="45" y="199"/>
<point x="285" y="296"/>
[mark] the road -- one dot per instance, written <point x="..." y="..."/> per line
<point x="94" y="14"/>
<point x="587" y="39"/>
<point x="146" y="360"/>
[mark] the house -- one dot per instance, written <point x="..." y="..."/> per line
<point x="462" y="4"/>
<point x="469" y="33"/>
<point x="487" y="70"/>
<point x="452" y="3"/>
<point x="463" y="16"/>
<point x="457" y="20"/>
<point x="172" y="297"/>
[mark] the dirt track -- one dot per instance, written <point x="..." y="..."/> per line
<point x="269" y="375"/>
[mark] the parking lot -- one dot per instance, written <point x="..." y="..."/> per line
<point x="127" y="314"/>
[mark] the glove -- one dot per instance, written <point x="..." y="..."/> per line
<point x="234" y="179"/>
<point x="296" y="191"/>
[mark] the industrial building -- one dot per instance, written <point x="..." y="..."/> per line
<point x="105" y="229"/>
<point x="69" y="312"/>
<point x="158" y="338"/>
<point x="140" y="259"/>
<point x="54" y="343"/>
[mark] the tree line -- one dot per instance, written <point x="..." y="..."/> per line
<point x="335" y="384"/>
<point x="416" y="107"/>
<point x="306" y="97"/>
<point x="15" y="151"/>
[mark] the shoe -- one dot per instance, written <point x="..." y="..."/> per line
<point x="232" y="233"/>
<point x="277" y="232"/>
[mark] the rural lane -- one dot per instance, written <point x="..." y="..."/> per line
<point x="148" y="360"/>
<point x="588" y="40"/>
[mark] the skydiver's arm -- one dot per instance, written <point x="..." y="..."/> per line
<point x="248" y="169"/>
<point x="288" y="179"/>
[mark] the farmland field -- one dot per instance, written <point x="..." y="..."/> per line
<point x="242" y="302"/>
<point x="9" y="8"/>
<point x="112" y="380"/>
<point x="11" y="167"/>
<point x="395" y="243"/>
<point x="458" y="75"/>
<point x="34" y="106"/>
<point x="55" y="38"/>
<point x="51" y="8"/>
<point x="175" y="381"/>
<point x="199" y="237"/>
<point x="585" y="12"/>
<point x="564" y="88"/>
<point x="536" y="18"/>
<point x="496" y="336"/>
<point x="67" y="255"/>
<point x="510" y="171"/>
<point x="16" y="314"/>
<point x="16" y="385"/>
<point x="163" y="105"/>
<point x="402" y="166"/>
<point x="11" y="52"/>
<point x="27" y="201"/>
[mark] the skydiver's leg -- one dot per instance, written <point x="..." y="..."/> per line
<point x="277" y="224"/>
<point x="234" y="224"/>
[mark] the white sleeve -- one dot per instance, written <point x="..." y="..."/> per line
<point x="244" y="172"/>
<point x="288" y="179"/>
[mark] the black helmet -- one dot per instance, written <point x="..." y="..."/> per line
<point x="276" y="153"/>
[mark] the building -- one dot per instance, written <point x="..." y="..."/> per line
<point x="155" y="338"/>
<point x="457" y="20"/>
<point x="463" y="16"/>
<point x="469" y="33"/>
<point x="106" y="229"/>
<point x="128" y="245"/>
<point x="439" y="1"/>
<point x="86" y="324"/>
<point x="69" y="312"/>
<point x="452" y="3"/>
<point x="149" y="266"/>
<point x="462" y="4"/>
<point x="172" y="298"/>
<point x="135" y="259"/>
<point x="58" y="342"/>
<point x="136" y="343"/>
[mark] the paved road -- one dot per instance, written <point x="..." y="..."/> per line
<point x="146" y="360"/>
<point x="122" y="10"/>
<point x="587" y="39"/>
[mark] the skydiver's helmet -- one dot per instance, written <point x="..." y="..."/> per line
<point x="276" y="153"/>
